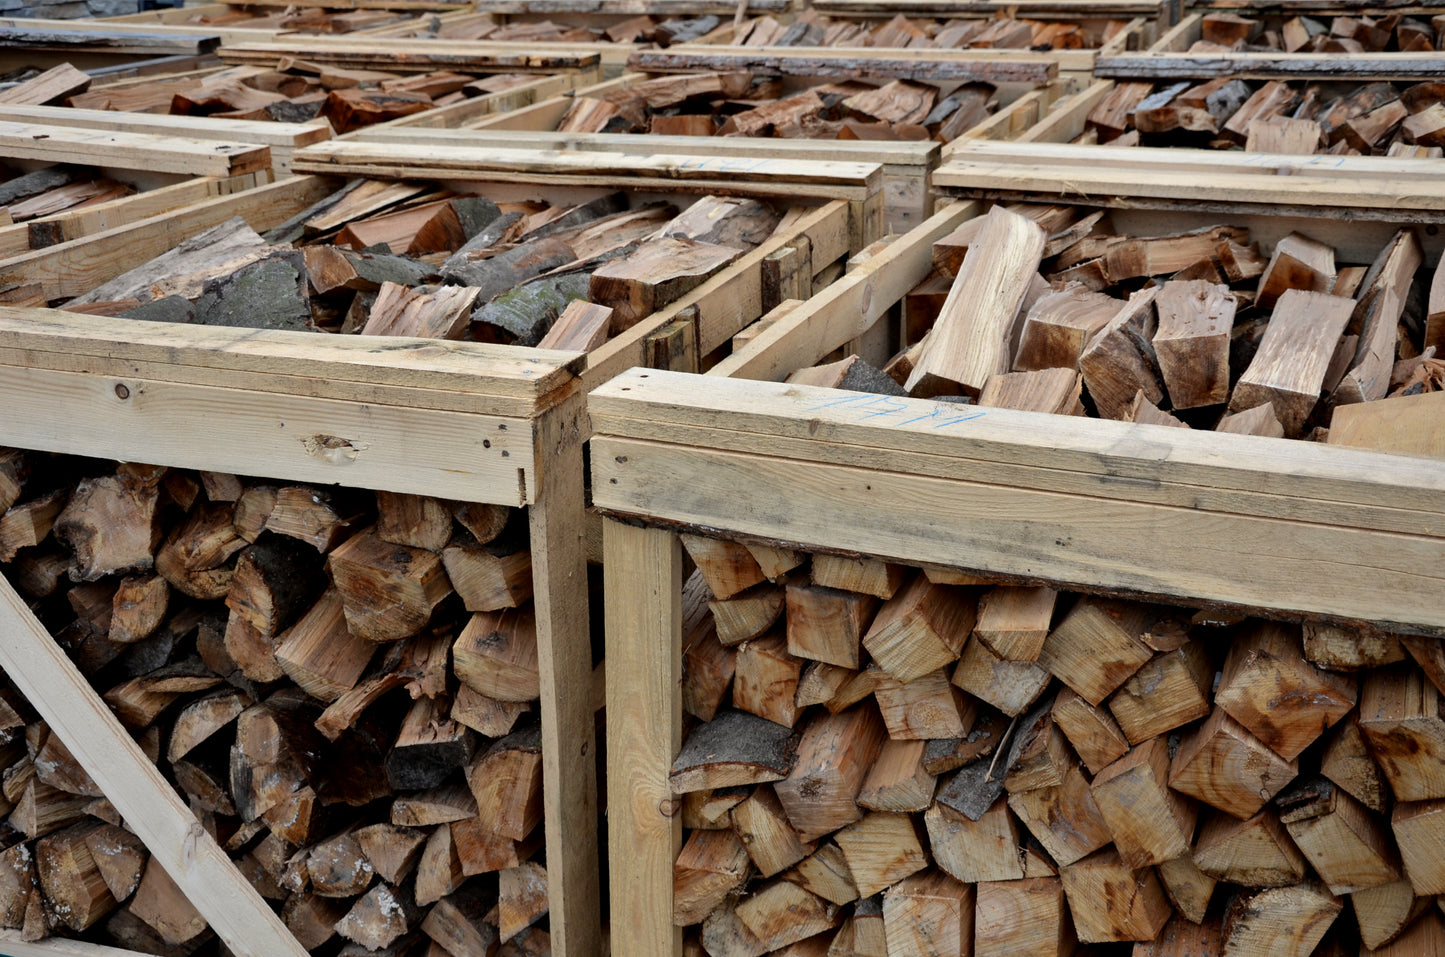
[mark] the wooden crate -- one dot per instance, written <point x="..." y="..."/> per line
<point x="459" y="421"/>
<point x="842" y="211"/>
<point x="907" y="165"/>
<point x="166" y="170"/>
<point x="123" y="94"/>
<point x="1204" y="519"/>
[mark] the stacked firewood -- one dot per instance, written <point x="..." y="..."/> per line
<point x="1047" y="309"/>
<point x="744" y="104"/>
<point x="403" y="259"/>
<point x="54" y="189"/>
<point x="297" y="91"/>
<point x="1276" y="116"/>
<point x="813" y="29"/>
<point x="1390" y="32"/>
<point x="882" y="760"/>
<point x="341" y="684"/>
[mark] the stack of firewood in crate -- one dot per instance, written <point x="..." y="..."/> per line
<point x="342" y="684"/>
<point x="1049" y="309"/>
<point x="1387" y="32"/>
<point x="745" y="104"/>
<point x="883" y="760"/>
<point x="407" y="259"/>
<point x="813" y="29"/>
<point x="1275" y="116"/>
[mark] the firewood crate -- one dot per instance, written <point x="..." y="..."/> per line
<point x="587" y="119"/>
<point x="317" y="87"/>
<point x="1274" y="561"/>
<point x="670" y="326"/>
<point x="829" y="210"/>
<point x="60" y="182"/>
<point x="423" y="424"/>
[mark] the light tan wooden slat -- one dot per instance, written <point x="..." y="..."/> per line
<point x="643" y="569"/>
<point x="190" y="127"/>
<point x="817" y="178"/>
<point x="141" y="151"/>
<point x="564" y="638"/>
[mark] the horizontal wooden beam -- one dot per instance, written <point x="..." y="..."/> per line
<point x="1297" y="66"/>
<point x="1341" y="186"/>
<point x="132" y="42"/>
<point x="12" y="946"/>
<point x="987" y="66"/>
<point x="1276" y="527"/>
<point x="909" y="153"/>
<point x="422" y="373"/>
<point x="405" y="55"/>
<point x="138" y="151"/>
<point x="820" y="178"/>
<point x="208" y="128"/>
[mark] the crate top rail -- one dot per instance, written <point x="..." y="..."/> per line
<point x="1343" y="187"/>
<point x="1265" y="525"/>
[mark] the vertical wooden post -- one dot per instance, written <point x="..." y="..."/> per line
<point x="192" y="858"/>
<point x="564" y="645"/>
<point x="643" y="572"/>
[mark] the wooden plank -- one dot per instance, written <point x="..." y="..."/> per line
<point x="1296" y="66"/>
<point x="905" y="153"/>
<point x="643" y="572"/>
<point x="139" y="151"/>
<point x="1359" y="186"/>
<point x="1252" y="533"/>
<point x="192" y="858"/>
<point x="153" y="43"/>
<point x="847" y="308"/>
<point x="402" y="55"/>
<point x="191" y="127"/>
<point x="988" y="66"/>
<point x="57" y="947"/>
<point x="564" y="643"/>
<point x="746" y="175"/>
<point x="499" y="380"/>
<point x="311" y="440"/>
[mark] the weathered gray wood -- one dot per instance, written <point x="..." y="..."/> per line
<point x="1300" y="66"/>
